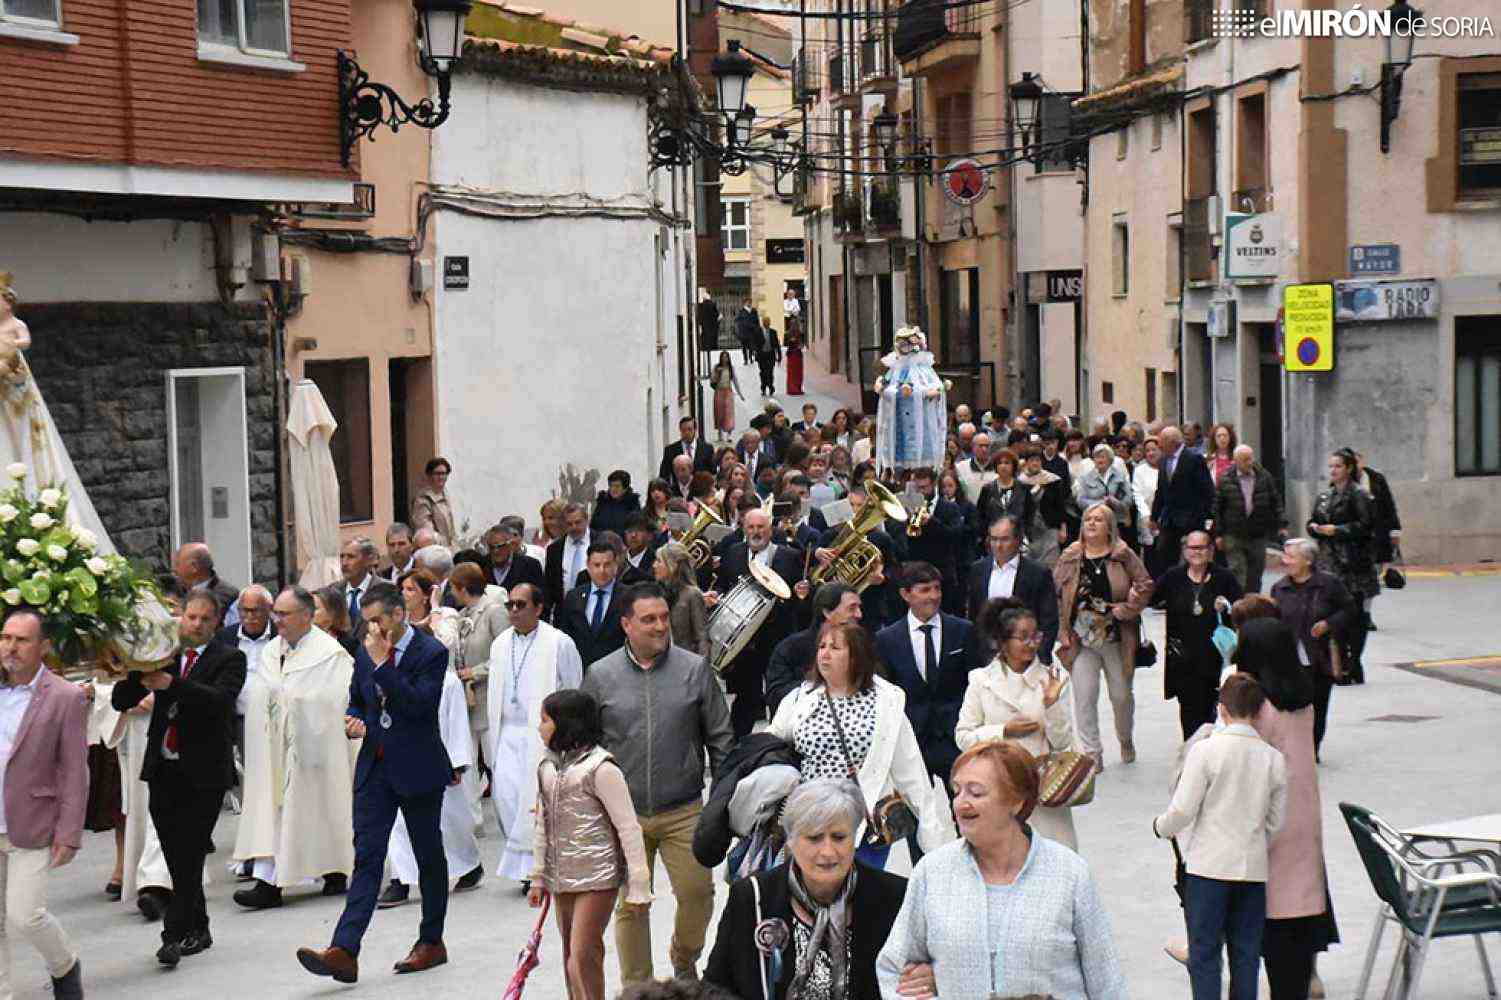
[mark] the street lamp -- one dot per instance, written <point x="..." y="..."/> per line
<point x="364" y="102"/>
<point x="1398" y="57"/>
<point x="885" y="125"/>
<point x="732" y="73"/>
<point x="1026" y="96"/>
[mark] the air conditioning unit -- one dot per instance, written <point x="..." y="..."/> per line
<point x="1216" y="215"/>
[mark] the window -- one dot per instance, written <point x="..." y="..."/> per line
<point x="1107" y="392"/>
<point x="1480" y="133"/>
<point x="259" y="26"/>
<point x="1196" y="20"/>
<point x="39" y="12"/>
<point x="1172" y="284"/>
<point x="1251" y="153"/>
<point x="736" y="230"/>
<point x="1120" y="254"/>
<point x="1151" y="394"/>
<point x="954" y="125"/>
<point x="1477" y="395"/>
<point x="346" y="388"/>
<point x="1136" y="54"/>
<point x="1201" y="164"/>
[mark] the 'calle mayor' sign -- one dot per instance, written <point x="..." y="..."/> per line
<point x="1253" y="245"/>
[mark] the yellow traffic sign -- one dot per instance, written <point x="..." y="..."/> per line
<point x="1308" y="327"/>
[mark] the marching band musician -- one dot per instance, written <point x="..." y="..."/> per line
<point x="933" y="533"/>
<point x="745" y="674"/>
<point x="880" y="601"/>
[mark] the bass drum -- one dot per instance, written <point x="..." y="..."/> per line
<point x="740" y="613"/>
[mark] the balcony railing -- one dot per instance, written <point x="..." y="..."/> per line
<point x="848" y="220"/>
<point x="924" y="23"/>
<point x="805" y="81"/>
<point x="837" y="78"/>
<point x="885" y="207"/>
<point x="875" y="58"/>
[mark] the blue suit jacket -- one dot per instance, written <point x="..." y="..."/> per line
<point x="415" y="758"/>
<point x="932" y="704"/>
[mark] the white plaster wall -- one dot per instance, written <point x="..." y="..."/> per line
<point x="59" y="258"/>
<point x="562" y="350"/>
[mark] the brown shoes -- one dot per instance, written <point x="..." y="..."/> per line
<point x="422" y="957"/>
<point x="335" y="962"/>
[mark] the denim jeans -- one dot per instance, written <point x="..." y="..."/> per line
<point x="1224" y="914"/>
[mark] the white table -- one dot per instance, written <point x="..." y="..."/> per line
<point x="1485" y="829"/>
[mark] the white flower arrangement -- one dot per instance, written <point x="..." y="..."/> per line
<point x="42" y="521"/>
<point x="50" y="497"/>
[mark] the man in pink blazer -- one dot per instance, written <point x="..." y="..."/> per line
<point x="44" y="784"/>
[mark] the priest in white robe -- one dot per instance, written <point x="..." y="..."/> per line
<point x="456" y="822"/>
<point x="297" y="822"/>
<point x="528" y="661"/>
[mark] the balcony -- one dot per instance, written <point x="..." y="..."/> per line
<point x="805" y="82"/>
<point x="933" y="37"/>
<point x="843" y="93"/>
<point x="885" y="209"/>
<point x="849" y="222"/>
<point x="1200" y="261"/>
<point x="877" y="66"/>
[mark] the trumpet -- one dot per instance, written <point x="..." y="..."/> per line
<point x="919" y="519"/>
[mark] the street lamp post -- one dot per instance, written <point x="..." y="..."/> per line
<point x="364" y="103"/>
<point x="1398" y="58"/>
<point x="1026" y="97"/>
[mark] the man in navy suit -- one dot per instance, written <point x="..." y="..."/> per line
<point x="929" y="655"/>
<point x="590" y="614"/>
<point x="393" y="706"/>
<point x="1005" y="572"/>
<point x="1184" y="500"/>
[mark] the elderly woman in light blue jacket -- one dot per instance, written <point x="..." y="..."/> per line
<point x="1001" y="912"/>
<point x="1105" y="482"/>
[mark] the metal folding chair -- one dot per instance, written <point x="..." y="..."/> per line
<point x="1424" y="903"/>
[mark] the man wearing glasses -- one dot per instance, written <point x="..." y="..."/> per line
<point x="510" y="566"/>
<point x="528" y="661"/>
<point x="299" y="779"/>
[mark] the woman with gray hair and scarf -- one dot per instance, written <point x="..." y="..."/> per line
<point x="809" y="929"/>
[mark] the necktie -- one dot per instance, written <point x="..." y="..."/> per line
<point x="599" y="609"/>
<point x="169" y="739"/>
<point x="354" y="603"/>
<point x="930" y="655"/>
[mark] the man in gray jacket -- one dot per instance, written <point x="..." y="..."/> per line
<point x="660" y="710"/>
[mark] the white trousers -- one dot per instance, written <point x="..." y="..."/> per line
<point x="1086" y="671"/>
<point x="23" y="905"/>
<point x="455" y="824"/>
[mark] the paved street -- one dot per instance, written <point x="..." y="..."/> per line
<point x="1409" y="771"/>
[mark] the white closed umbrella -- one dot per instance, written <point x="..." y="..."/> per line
<point x="315" y="485"/>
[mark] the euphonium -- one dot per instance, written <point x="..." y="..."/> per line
<point x="855" y="557"/>
<point x="699" y="550"/>
<point x="919" y="519"/>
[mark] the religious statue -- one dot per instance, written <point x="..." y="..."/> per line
<point x="912" y="417"/>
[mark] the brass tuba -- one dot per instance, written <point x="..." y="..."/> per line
<point x="699" y="550"/>
<point x="855" y="556"/>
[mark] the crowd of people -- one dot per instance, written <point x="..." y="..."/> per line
<point x="566" y="679"/>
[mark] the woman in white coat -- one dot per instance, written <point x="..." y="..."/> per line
<point x="528" y="661"/>
<point x="1018" y="699"/>
<point x="847" y="722"/>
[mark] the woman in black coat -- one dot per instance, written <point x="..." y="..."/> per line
<point x="615" y="505"/>
<point x="1343" y="524"/>
<point x="813" y="926"/>
<point x="1194" y="593"/>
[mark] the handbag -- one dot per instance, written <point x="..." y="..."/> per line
<point x="892" y="819"/>
<point x="1146" y="654"/>
<point x="1225" y="640"/>
<point x="1394" y="578"/>
<point x="1065" y="778"/>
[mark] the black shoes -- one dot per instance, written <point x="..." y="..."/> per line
<point x="335" y="884"/>
<point x="195" y="943"/>
<point x="172" y="952"/>
<point x="169" y="954"/>
<point x="69" y="986"/>
<point x="470" y="880"/>
<point x="396" y="893"/>
<point x="261" y="896"/>
<point x="113" y="890"/>
<point x="152" y="902"/>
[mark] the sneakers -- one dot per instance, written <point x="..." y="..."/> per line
<point x="195" y="943"/>
<point x="396" y="893"/>
<point x="169" y="954"/>
<point x="470" y="880"/>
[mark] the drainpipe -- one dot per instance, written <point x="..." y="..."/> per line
<point x="919" y="201"/>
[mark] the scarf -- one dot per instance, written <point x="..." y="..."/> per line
<point x="830" y="929"/>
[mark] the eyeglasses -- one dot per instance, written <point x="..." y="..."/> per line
<point x="497" y="546"/>
<point x="517" y="605"/>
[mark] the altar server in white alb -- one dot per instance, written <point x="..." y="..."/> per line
<point x="298" y="817"/>
<point x="528" y="661"/>
<point x="456" y="822"/>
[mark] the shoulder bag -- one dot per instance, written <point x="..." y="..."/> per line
<point x="892" y="819"/>
<point x="1065" y="778"/>
<point x="1394" y="578"/>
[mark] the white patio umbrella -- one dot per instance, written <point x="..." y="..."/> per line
<point x="315" y="485"/>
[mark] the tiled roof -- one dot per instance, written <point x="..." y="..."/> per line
<point x="1130" y="91"/>
<point x="506" y="27"/>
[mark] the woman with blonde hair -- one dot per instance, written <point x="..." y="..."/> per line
<point x="1102" y="588"/>
<point x="687" y="612"/>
